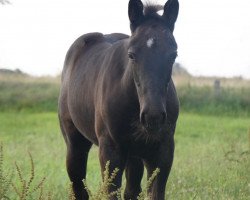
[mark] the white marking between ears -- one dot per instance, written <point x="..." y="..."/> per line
<point x="150" y="42"/>
<point x="160" y="12"/>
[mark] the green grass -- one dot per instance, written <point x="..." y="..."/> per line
<point x="212" y="156"/>
<point x="38" y="134"/>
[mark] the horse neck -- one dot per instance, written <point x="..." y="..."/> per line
<point x="128" y="87"/>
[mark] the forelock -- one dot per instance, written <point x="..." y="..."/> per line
<point x="151" y="9"/>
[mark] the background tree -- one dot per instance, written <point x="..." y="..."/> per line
<point x="4" y="2"/>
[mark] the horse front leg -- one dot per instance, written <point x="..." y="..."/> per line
<point x="163" y="160"/>
<point x="134" y="173"/>
<point x="77" y="155"/>
<point x="110" y="151"/>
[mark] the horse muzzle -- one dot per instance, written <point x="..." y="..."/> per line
<point x="153" y="122"/>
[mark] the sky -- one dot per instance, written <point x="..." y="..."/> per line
<point x="213" y="35"/>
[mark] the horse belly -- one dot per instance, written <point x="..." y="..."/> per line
<point x="81" y="103"/>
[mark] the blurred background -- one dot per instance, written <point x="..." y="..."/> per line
<point x="211" y="73"/>
<point x="213" y="38"/>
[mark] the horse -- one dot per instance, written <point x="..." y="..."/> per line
<point x="117" y="93"/>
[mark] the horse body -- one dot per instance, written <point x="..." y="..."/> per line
<point x="129" y="112"/>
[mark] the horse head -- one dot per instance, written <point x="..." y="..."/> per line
<point x="152" y="52"/>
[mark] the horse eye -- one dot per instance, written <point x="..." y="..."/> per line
<point x="131" y="55"/>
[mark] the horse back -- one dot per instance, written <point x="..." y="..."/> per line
<point x="78" y="48"/>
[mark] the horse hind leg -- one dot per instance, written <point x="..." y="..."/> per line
<point x="76" y="161"/>
<point x="134" y="173"/>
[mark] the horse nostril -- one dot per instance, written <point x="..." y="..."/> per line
<point x="154" y="121"/>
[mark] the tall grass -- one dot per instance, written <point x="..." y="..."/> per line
<point x="27" y="190"/>
<point x="5" y="177"/>
<point x="205" y="99"/>
<point x="19" y="92"/>
<point x="202" y="95"/>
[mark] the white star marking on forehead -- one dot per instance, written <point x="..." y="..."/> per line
<point x="150" y="42"/>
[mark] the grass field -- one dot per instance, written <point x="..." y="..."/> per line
<point x="212" y="157"/>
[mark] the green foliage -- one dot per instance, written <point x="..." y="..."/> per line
<point x="5" y="178"/>
<point x="103" y="193"/>
<point x="25" y="190"/>
<point x="144" y="194"/>
<point x="71" y="195"/>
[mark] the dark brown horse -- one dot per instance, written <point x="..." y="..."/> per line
<point x="117" y="93"/>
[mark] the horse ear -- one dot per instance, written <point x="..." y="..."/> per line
<point x="135" y="13"/>
<point x="171" y="10"/>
